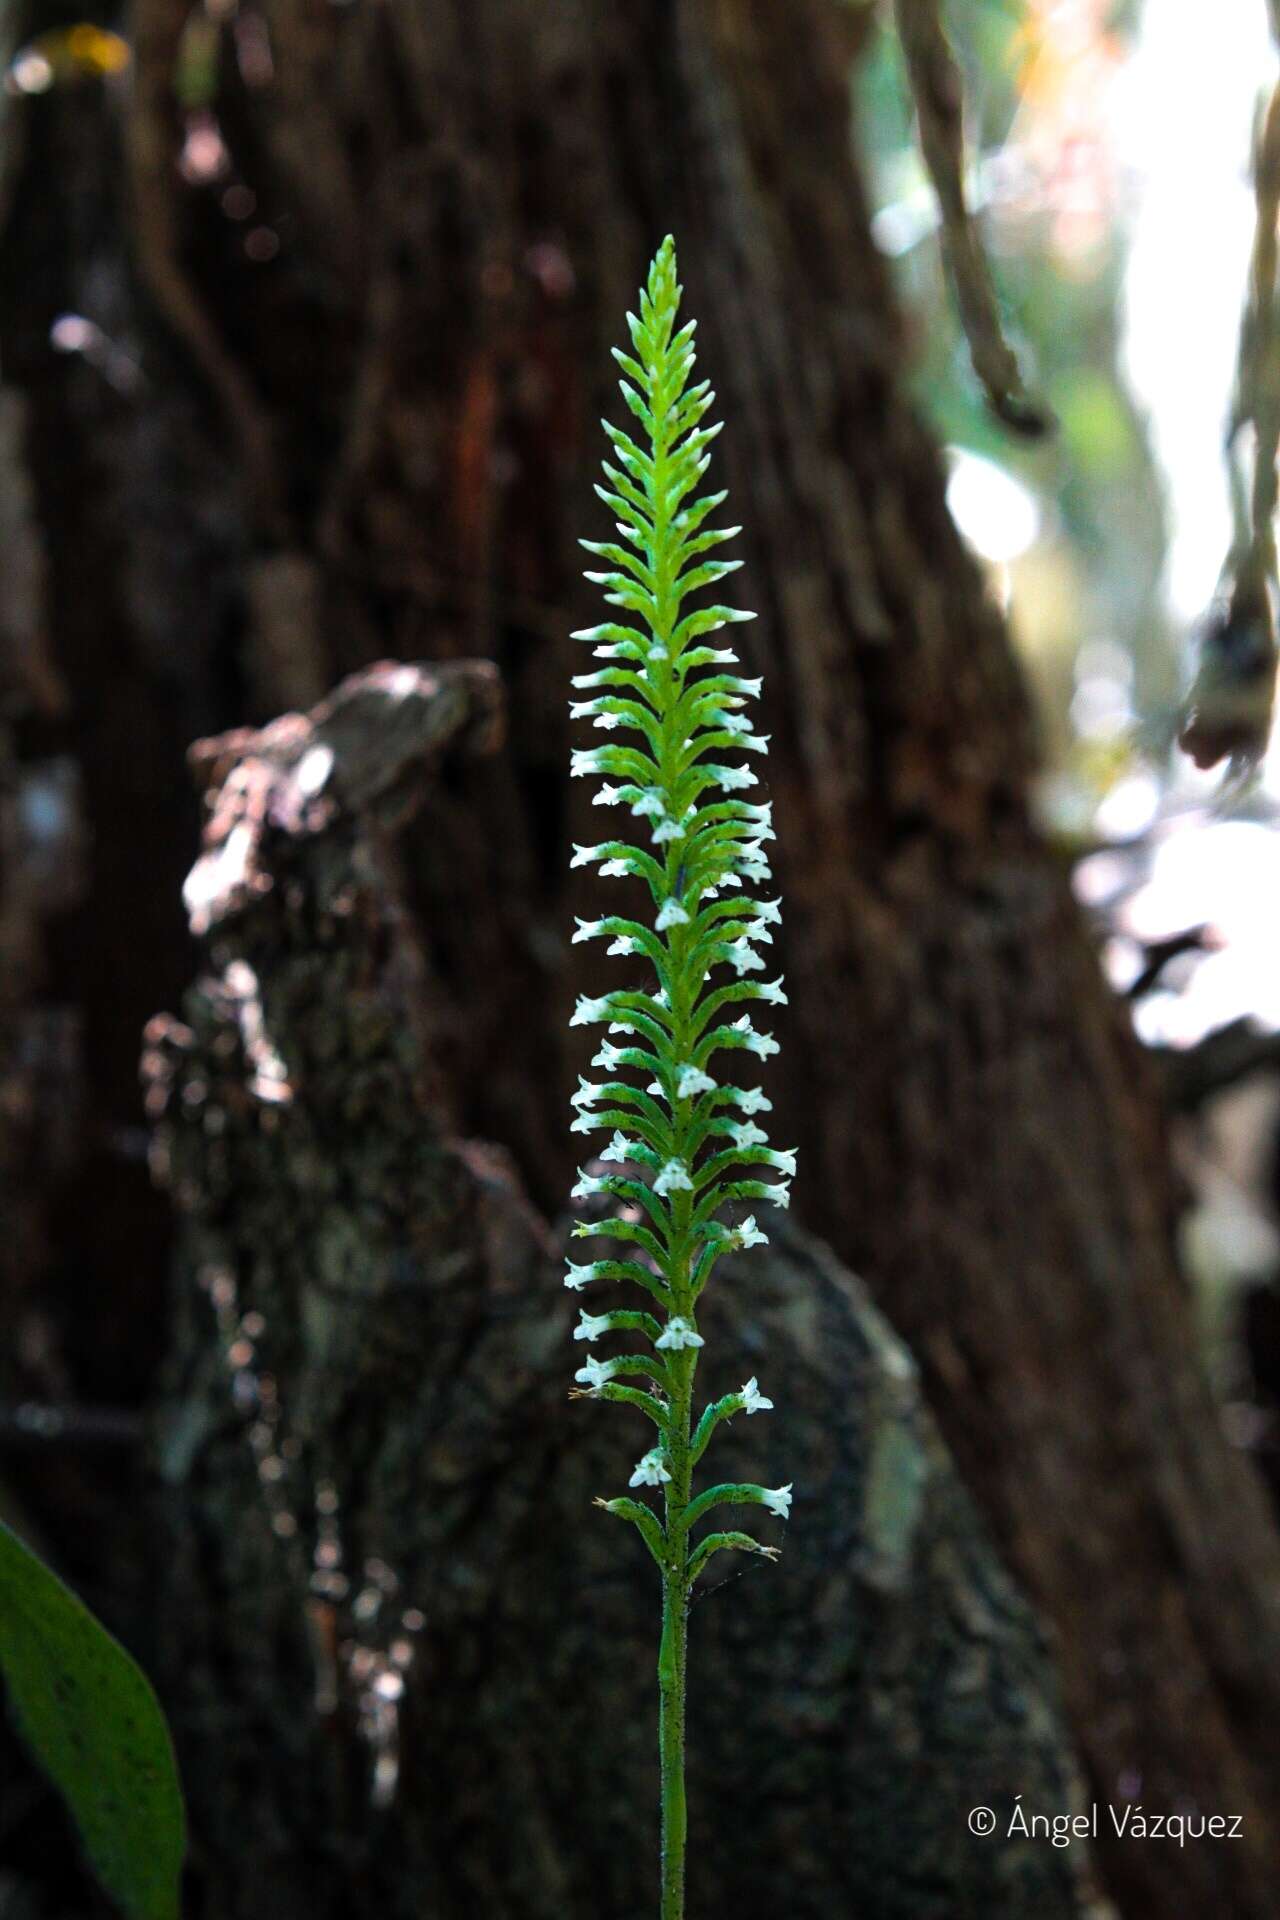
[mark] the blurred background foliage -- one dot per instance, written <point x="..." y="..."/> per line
<point x="1109" y="165"/>
<point x="1122" y="276"/>
<point x="1075" y="528"/>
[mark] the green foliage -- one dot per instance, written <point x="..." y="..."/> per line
<point x="89" y="1715"/>
<point x="686" y="1143"/>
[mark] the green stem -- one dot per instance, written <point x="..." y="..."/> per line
<point x="671" y="1684"/>
<point x="672" y="1656"/>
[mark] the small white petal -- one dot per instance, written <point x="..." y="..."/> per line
<point x="771" y="990"/>
<point x="778" y="1500"/>
<point x="753" y="1401"/>
<point x="672" y="915"/>
<point x="619" y="1149"/>
<point x="587" y="1185"/>
<point x="749" y="1234"/>
<point x="673" y="1178"/>
<point x="693" y="1080"/>
<point x="752" y="1100"/>
<point x="623" y="944"/>
<point x="678" y="1333"/>
<point x="594" y="1373"/>
<point x="588" y="1011"/>
<point x="591" y="1326"/>
<point x="578" y="1277"/>
<point x="616" y="869"/>
<point x="650" y="802"/>
<point x="651" y="1471"/>
<point x="743" y="958"/>
<point x="747" y="1134"/>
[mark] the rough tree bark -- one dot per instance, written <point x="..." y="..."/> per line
<point x="411" y="1670"/>
<point x="369" y="429"/>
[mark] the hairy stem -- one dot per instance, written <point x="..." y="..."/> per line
<point x="671" y="1689"/>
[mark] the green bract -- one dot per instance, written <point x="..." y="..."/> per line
<point x="684" y="1137"/>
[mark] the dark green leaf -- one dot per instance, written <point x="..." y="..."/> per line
<point x="90" y="1717"/>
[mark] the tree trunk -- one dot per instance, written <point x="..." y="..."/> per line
<point x="412" y="1671"/>
<point x="391" y="314"/>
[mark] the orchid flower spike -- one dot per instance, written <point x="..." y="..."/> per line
<point x="683" y="1143"/>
